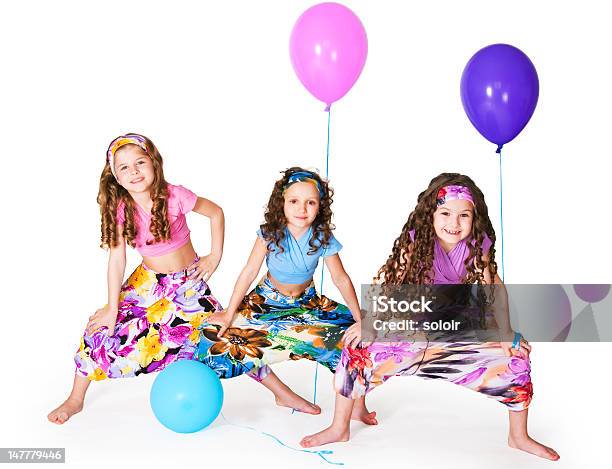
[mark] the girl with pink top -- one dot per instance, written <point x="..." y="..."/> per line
<point x="152" y="319"/>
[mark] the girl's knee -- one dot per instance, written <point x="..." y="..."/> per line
<point x="259" y="374"/>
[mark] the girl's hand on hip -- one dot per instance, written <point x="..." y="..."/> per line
<point x="103" y="317"/>
<point x="352" y="336"/>
<point x="205" y="267"/>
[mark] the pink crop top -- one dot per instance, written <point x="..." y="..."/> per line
<point x="180" y="202"/>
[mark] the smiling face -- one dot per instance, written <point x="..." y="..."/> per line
<point x="301" y="204"/>
<point x="453" y="222"/>
<point x="134" y="168"/>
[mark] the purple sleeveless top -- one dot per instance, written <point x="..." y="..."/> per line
<point x="449" y="267"/>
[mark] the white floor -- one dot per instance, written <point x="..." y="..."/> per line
<point x="422" y="423"/>
<point x="212" y="84"/>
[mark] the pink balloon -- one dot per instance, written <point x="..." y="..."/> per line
<point x="328" y="50"/>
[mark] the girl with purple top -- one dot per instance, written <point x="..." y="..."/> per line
<point x="448" y="239"/>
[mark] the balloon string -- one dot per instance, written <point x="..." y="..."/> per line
<point x="316" y="376"/>
<point x="314" y="394"/>
<point x="321" y="453"/>
<point x="327" y="148"/>
<point x="501" y="211"/>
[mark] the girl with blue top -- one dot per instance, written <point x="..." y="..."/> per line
<point x="284" y="318"/>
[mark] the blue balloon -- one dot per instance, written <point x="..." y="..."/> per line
<point x="186" y="396"/>
<point x="499" y="92"/>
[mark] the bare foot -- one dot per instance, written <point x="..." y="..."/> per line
<point x="66" y="410"/>
<point x="293" y="401"/>
<point x="330" y="435"/>
<point x="528" y="444"/>
<point x="361" y="413"/>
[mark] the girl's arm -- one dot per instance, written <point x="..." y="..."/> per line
<point x="107" y="316"/>
<point x="245" y="279"/>
<point x="501" y="309"/>
<point x="343" y="283"/>
<point x="116" y="271"/>
<point x="501" y="312"/>
<point x="208" y="264"/>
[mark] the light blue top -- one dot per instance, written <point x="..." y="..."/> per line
<point x="294" y="265"/>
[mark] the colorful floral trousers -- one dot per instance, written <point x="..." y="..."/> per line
<point x="482" y="367"/>
<point x="157" y="323"/>
<point x="270" y="327"/>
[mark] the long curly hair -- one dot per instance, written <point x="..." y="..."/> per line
<point x="273" y="229"/>
<point x="111" y="193"/>
<point x="411" y="262"/>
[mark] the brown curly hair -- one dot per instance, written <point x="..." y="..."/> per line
<point x="416" y="268"/>
<point x="111" y="193"/>
<point x="273" y="229"/>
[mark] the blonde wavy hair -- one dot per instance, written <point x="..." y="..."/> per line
<point x="111" y="193"/>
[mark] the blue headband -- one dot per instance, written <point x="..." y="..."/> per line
<point x="304" y="176"/>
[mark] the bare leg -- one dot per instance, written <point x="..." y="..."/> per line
<point x="519" y="438"/>
<point x="73" y="404"/>
<point x="361" y="413"/>
<point x="285" y="397"/>
<point x="339" y="430"/>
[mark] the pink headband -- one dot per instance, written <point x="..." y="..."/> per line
<point x="447" y="193"/>
<point x="127" y="139"/>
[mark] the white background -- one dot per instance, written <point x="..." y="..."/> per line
<point x="211" y="83"/>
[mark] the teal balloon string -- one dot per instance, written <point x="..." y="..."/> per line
<point x="316" y="376"/>
<point x="501" y="214"/>
<point x="321" y="453"/>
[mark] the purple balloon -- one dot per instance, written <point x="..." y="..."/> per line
<point x="499" y="92"/>
<point x="328" y="49"/>
<point x="592" y="293"/>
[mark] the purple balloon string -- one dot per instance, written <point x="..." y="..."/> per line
<point x="501" y="213"/>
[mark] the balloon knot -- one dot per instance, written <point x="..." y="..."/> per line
<point x="327" y="108"/>
<point x="499" y="149"/>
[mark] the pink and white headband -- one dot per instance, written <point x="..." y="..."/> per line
<point x="447" y="193"/>
<point x="127" y="139"/>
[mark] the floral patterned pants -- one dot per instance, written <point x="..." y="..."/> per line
<point x="157" y="323"/>
<point x="482" y="367"/>
<point x="162" y="318"/>
<point x="270" y="327"/>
